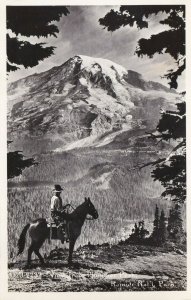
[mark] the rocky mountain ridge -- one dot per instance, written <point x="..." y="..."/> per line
<point x="82" y="100"/>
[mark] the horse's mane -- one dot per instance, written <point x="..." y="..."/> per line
<point x="79" y="209"/>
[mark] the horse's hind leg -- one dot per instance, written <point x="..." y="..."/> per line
<point x="36" y="251"/>
<point x="30" y="251"/>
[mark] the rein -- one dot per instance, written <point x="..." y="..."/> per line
<point x="71" y="206"/>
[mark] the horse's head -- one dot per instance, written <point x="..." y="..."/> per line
<point x="91" y="209"/>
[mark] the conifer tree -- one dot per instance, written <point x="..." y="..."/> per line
<point x="175" y="226"/>
<point x="171" y="170"/>
<point x="134" y="236"/>
<point x="27" y="21"/>
<point x="162" y="232"/>
<point x="142" y="231"/>
<point x="170" y="41"/>
<point x="139" y="233"/>
<point x="155" y="233"/>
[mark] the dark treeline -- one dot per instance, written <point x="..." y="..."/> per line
<point x="166" y="229"/>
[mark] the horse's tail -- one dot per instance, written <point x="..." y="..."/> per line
<point x="21" y="241"/>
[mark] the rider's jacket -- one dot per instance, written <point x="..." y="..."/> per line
<point x="56" y="203"/>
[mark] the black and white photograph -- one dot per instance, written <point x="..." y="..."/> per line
<point x="96" y="148"/>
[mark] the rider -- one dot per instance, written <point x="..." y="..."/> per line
<point x="57" y="209"/>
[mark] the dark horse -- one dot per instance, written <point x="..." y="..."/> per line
<point x="39" y="231"/>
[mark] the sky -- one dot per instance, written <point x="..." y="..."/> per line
<point x="81" y="33"/>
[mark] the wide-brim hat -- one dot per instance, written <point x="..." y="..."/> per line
<point x="57" y="188"/>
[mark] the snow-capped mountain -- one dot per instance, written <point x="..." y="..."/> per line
<point x="84" y="102"/>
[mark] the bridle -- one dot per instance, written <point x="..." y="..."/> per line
<point x="87" y="218"/>
<point x="90" y="219"/>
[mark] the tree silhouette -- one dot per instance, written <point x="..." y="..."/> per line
<point x="27" y="21"/>
<point x="16" y="163"/>
<point x="170" y="41"/>
<point x="139" y="233"/>
<point x="162" y="229"/>
<point x="159" y="234"/>
<point x="154" y="235"/>
<point x="175" y="227"/>
<point x="171" y="171"/>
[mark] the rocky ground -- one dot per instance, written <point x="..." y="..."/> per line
<point x="119" y="267"/>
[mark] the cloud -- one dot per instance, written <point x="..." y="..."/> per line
<point x="81" y="33"/>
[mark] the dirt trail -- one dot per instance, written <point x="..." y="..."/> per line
<point x="103" y="268"/>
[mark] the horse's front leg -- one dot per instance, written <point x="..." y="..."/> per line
<point x="71" y="249"/>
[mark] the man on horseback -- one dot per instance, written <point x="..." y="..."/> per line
<point x="39" y="230"/>
<point x="58" y="213"/>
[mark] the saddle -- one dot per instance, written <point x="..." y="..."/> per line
<point x="53" y="230"/>
<point x="55" y="233"/>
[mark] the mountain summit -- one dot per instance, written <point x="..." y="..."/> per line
<point x="86" y="101"/>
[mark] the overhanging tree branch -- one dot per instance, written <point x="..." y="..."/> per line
<point x="168" y="41"/>
<point x="34" y="20"/>
<point x="30" y="21"/>
<point x="25" y="53"/>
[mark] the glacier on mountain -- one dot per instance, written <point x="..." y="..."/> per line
<point x="84" y="102"/>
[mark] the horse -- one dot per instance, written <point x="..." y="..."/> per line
<point x="39" y="231"/>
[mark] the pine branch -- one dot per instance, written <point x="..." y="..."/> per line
<point x="34" y="20"/>
<point x="172" y="153"/>
<point x="159" y="141"/>
<point x="158" y="44"/>
<point x="163" y="42"/>
<point x="11" y="67"/>
<point x="130" y="16"/>
<point x="174" y="74"/>
<point x="174" y="113"/>
<point x="152" y="163"/>
<point x="161" y="160"/>
<point x="181" y="144"/>
<point x="174" y="20"/>
<point x="25" y="53"/>
<point x="31" y="21"/>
